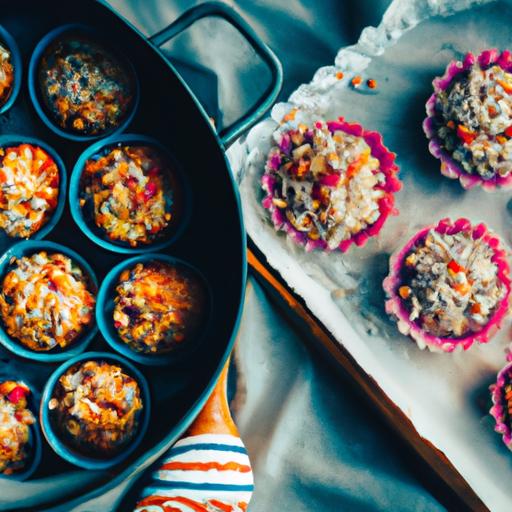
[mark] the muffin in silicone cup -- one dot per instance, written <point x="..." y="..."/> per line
<point x="469" y="120"/>
<point x="329" y="184"/>
<point x="449" y="286"/>
<point x="501" y="410"/>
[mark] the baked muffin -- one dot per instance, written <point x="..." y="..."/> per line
<point x="46" y="301"/>
<point x="330" y="184"/>
<point x="86" y="89"/>
<point x="96" y="406"/>
<point x="29" y="189"/>
<point x="132" y="194"/>
<point x="469" y="123"/>
<point x="159" y="307"/>
<point x="449" y="286"/>
<point x="6" y="74"/>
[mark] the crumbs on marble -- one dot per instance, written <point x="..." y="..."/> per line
<point x="367" y="86"/>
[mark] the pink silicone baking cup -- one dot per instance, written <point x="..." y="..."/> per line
<point x="386" y="204"/>
<point x="499" y="410"/>
<point x="449" y="167"/>
<point x="396" y="308"/>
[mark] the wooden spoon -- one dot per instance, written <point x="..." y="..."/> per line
<point x="208" y="469"/>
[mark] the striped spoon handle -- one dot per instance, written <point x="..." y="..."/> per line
<point x="208" y="469"/>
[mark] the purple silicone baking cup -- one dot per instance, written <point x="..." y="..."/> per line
<point x="397" y="309"/>
<point x="449" y="167"/>
<point x="499" y="409"/>
<point x="386" y="203"/>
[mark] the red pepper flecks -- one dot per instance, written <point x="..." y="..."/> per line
<point x="455" y="267"/>
<point x="17" y="394"/>
<point x="465" y="134"/>
<point x="356" y="81"/>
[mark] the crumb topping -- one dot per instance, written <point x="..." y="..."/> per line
<point x="329" y="184"/>
<point x="96" y="406"/>
<point x="450" y="284"/>
<point x="474" y="120"/>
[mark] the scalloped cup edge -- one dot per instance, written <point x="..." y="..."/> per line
<point x="386" y="204"/>
<point x="394" y="304"/>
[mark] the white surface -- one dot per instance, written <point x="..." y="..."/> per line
<point x="444" y="395"/>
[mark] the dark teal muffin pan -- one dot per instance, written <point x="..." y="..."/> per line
<point x="212" y="240"/>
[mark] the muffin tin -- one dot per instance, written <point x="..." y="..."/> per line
<point x="211" y="238"/>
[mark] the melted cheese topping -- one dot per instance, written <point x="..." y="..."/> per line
<point x="29" y="189"/>
<point x="45" y="301"/>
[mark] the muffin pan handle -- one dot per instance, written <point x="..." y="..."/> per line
<point x="258" y="110"/>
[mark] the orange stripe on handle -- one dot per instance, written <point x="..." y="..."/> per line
<point x="221" y="506"/>
<point x="215" y="417"/>
<point x="206" y="466"/>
